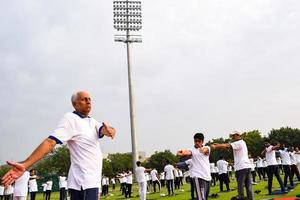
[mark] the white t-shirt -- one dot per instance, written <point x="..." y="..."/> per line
<point x="212" y="168"/>
<point x="259" y="163"/>
<point x="113" y="181"/>
<point x="180" y="174"/>
<point x="222" y="166"/>
<point x="129" y="178"/>
<point x="49" y="185"/>
<point x="1" y="190"/>
<point x="252" y="164"/>
<point x="271" y="156"/>
<point x="230" y="168"/>
<point x="62" y="181"/>
<point x="293" y="158"/>
<point x="153" y="174"/>
<point x="297" y="155"/>
<point x="169" y="172"/>
<point x="285" y="157"/>
<point x="21" y="185"/>
<point x="162" y="176"/>
<point x="44" y="185"/>
<point x="9" y="190"/>
<point x="190" y="165"/>
<point x="240" y="155"/>
<point x="176" y="174"/>
<point x="201" y="166"/>
<point x="140" y="174"/>
<point x="82" y="137"/>
<point x="104" y="181"/>
<point x="33" y="184"/>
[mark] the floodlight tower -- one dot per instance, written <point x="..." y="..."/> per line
<point x="128" y="18"/>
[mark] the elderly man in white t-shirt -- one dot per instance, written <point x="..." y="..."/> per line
<point x="242" y="164"/>
<point x="200" y="166"/>
<point x="272" y="168"/>
<point x="81" y="132"/>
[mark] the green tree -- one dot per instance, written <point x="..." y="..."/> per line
<point x="120" y="162"/>
<point x="286" y="135"/>
<point x="215" y="154"/>
<point x="254" y="141"/>
<point x="159" y="159"/>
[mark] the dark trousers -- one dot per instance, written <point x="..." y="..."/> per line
<point x="181" y="181"/>
<point x="177" y="183"/>
<point x="202" y="188"/>
<point x="87" y="194"/>
<point x="192" y="188"/>
<point x="62" y="194"/>
<point x="274" y="170"/>
<point x="295" y="170"/>
<point x="261" y="173"/>
<point x="48" y="194"/>
<point x="8" y="197"/>
<point x="128" y="190"/>
<point x="253" y="173"/>
<point x="123" y="188"/>
<point x="162" y="182"/>
<point x="1" y="197"/>
<point x="224" y="179"/>
<point x="104" y="190"/>
<point x="170" y="186"/>
<point x="243" y="177"/>
<point x="154" y="183"/>
<point x="32" y="195"/>
<point x="287" y="174"/>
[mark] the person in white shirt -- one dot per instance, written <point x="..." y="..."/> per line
<point x="253" y="172"/>
<point x="230" y="171"/>
<point x="162" y="179"/>
<point x="44" y="186"/>
<point x="286" y="164"/>
<point x="176" y="180"/>
<point x="154" y="178"/>
<point x="223" y="173"/>
<point x="122" y="179"/>
<point x="81" y="132"/>
<point x="272" y="168"/>
<point x="279" y="163"/>
<point x="1" y="191"/>
<point x="62" y="180"/>
<point x="21" y="187"/>
<point x="213" y="174"/>
<point x="104" y="186"/>
<point x="113" y="182"/>
<point x="141" y="180"/>
<point x="129" y="178"/>
<point x="260" y="168"/>
<point x="294" y="168"/>
<point x="189" y="162"/>
<point x="180" y="173"/>
<point x="297" y="155"/>
<point x="242" y="164"/>
<point x="33" y="187"/>
<point x="200" y="166"/>
<point x="169" y="174"/>
<point x="8" y="192"/>
<point x="49" y="189"/>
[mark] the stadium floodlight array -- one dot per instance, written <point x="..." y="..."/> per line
<point x="127" y="17"/>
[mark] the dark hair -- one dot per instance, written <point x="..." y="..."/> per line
<point x="138" y="163"/>
<point x="199" y="136"/>
<point x="167" y="161"/>
<point x="221" y="157"/>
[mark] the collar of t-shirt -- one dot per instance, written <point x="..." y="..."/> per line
<point x="80" y="115"/>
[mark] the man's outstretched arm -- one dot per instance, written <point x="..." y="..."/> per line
<point x="19" y="168"/>
<point x="220" y="146"/>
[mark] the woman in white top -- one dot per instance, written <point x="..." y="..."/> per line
<point x="33" y="187"/>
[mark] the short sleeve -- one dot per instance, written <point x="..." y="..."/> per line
<point x="269" y="148"/>
<point x="63" y="132"/>
<point x="235" y="145"/>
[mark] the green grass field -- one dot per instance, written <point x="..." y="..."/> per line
<point x="184" y="193"/>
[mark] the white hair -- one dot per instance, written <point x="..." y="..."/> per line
<point x="74" y="97"/>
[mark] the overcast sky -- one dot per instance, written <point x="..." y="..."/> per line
<point x="209" y="66"/>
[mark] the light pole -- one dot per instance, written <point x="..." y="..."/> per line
<point x="127" y="18"/>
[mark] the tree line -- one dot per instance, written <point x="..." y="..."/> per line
<point x="59" y="159"/>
